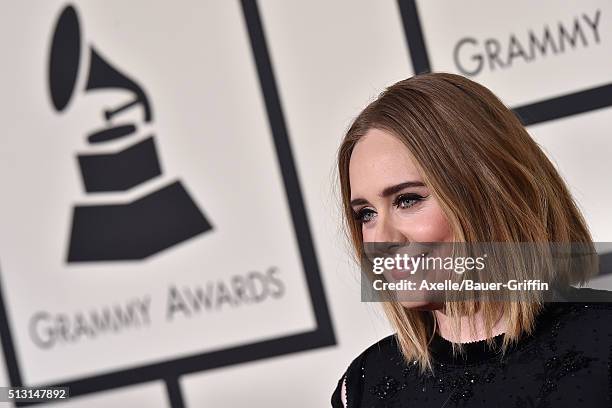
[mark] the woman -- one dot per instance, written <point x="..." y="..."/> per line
<point x="438" y="158"/>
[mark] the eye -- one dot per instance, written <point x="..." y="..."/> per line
<point x="407" y="200"/>
<point x="364" y="215"/>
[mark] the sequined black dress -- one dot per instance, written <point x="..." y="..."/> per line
<point x="566" y="362"/>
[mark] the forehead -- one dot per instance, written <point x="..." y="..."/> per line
<point x="381" y="158"/>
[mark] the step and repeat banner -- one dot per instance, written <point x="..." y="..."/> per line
<point x="165" y="170"/>
<point x="153" y="222"/>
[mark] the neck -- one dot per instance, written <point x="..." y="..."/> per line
<point x="467" y="334"/>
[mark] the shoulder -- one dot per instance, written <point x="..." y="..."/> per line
<point x="585" y="295"/>
<point x="376" y="353"/>
<point x="376" y="357"/>
<point x="581" y="307"/>
<point x="581" y="322"/>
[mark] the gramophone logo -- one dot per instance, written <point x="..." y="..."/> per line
<point x="147" y="225"/>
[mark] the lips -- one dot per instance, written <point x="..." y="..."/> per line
<point x="399" y="274"/>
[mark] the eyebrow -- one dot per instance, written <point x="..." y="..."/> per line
<point x="390" y="191"/>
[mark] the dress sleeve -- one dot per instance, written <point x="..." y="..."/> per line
<point x="337" y="399"/>
<point x="352" y="382"/>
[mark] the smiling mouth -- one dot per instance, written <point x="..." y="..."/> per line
<point x="403" y="273"/>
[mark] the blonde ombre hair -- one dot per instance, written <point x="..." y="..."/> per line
<point x="490" y="178"/>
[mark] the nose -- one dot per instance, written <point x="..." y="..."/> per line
<point x="384" y="239"/>
<point x="386" y="231"/>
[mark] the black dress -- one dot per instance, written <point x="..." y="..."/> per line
<point x="565" y="362"/>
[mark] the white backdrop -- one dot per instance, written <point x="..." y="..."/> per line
<point x="202" y="73"/>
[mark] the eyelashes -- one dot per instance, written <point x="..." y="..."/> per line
<point x="401" y="202"/>
<point x="364" y="215"/>
<point x="406" y="200"/>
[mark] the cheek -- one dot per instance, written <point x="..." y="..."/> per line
<point x="429" y="224"/>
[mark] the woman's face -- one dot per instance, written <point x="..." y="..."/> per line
<point x="389" y="198"/>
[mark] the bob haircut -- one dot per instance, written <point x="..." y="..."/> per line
<point x="490" y="178"/>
